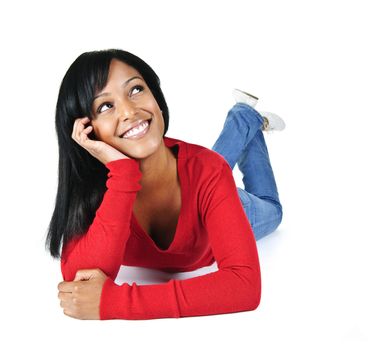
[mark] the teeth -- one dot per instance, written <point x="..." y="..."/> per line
<point x="137" y="130"/>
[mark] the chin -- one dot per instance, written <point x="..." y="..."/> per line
<point x="141" y="150"/>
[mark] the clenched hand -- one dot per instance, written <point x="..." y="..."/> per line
<point x="81" y="297"/>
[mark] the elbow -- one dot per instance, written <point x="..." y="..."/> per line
<point x="69" y="269"/>
<point x="67" y="274"/>
<point x="253" y="296"/>
<point x="253" y="290"/>
<point x="256" y="296"/>
<point x="255" y="300"/>
<point x="249" y="300"/>
<point x="250" y="290"/>
<point x="67" y="263"/>
<point x="73" y="260"/>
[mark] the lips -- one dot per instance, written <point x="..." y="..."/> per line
<point x="135" y="124"/>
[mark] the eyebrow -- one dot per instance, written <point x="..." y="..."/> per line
<point x="123" y="85"/>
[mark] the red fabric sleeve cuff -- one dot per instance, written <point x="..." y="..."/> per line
<point x="110" y="308"/>
<point x="124" y="175"/>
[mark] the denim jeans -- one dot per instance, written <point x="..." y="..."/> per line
<point x="241" y="141"/>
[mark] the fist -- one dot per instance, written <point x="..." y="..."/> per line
<point x="81" y="298"/>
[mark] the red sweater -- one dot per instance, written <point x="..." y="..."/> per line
<point x="212" y="227"/>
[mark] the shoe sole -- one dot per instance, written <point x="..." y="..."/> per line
<point x="247" y="94"/>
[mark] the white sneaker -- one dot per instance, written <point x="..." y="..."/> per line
<point x="244" y="97"/>
<point x="272" y="122"/>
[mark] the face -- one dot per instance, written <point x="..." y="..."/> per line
<point x="124" y="104"/>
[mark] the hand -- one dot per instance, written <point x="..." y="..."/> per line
<point x="99" y="149"/>
<point x="81" y="298"/>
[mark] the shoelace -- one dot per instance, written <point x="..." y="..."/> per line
<point x="265" y="124"/>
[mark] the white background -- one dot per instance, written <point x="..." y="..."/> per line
<point x="322" y="65"/>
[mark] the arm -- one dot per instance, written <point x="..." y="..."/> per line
<point x="103" y="245"/>
<point x="236" y="286"/>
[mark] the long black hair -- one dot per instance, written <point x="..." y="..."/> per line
<point x="81" y="177"/>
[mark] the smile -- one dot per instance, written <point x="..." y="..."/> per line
<point x="139" y="131"/>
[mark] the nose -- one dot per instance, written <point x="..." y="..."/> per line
<point x="127" y="110"/>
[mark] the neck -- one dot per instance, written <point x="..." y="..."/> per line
<point x="158" y="169"/>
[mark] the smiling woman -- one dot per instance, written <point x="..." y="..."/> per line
<point x="126" y="116"/>
<point x="129" y="195"/>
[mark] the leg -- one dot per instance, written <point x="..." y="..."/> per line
<point x="241" y="141"/>
<point x="238" y="130"/>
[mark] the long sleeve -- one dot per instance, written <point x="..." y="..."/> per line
<point x="103" y="245"/>
<point x="235" y="287"/>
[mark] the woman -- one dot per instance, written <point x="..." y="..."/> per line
<point x="127" y="194"/>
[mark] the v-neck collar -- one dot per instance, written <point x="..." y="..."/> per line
<point x="181" y="154"/>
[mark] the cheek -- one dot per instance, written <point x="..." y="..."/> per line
<point x="102" y="130"/>
<point x="159" y="121"/>
<point x="162" y="123"/>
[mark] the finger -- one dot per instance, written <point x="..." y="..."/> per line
<point x="74" y="129"/>
<point x="70" y="313"/>
<point x="81" y="127"/>
<point x="66" y="286"/>
<point x="86" y="274"/>
<point x="67" y="302"/>
<point x="82" y="275"/>
<point x="64" y="304"/>
<point x="86" y="142"/>
<point x="64" y="295"/>
<point x="85" y="132"/>
<point x="75" y="126"/>
<point x="78" y="127"/>
<point x="83" y="135"/>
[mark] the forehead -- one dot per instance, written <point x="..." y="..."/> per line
<point x="122" y="71"/>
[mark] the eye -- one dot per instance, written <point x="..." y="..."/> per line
<point x="99" y="110"/>
<point x="139" y="87"/>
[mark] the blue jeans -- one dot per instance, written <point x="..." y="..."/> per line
<point x="241" y="141"/>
